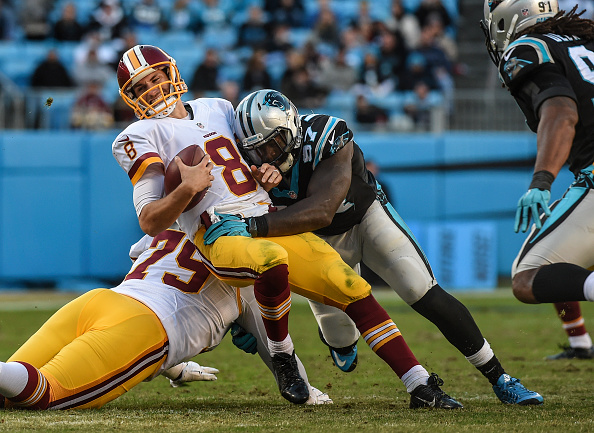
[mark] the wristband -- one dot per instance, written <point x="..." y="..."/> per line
<point x="257" y="226"/>
<point x="542" y="180"/>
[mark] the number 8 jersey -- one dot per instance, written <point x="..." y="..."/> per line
<point x="537" y="67"/>
<point x="158" y="141"/>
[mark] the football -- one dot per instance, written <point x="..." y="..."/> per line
<point x="191" y="155"/>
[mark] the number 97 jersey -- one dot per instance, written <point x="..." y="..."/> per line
<point x="537" y="67"/>
<point x="158" y="141"/>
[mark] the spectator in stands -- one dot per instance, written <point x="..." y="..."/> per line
<point x="336" y="73"/>
<point x="392" y="56"/>
<point x="230" y="91"/>
<point x="280" y="38"/>
<point x="302" y="90"/>
<point x="90" y="111"/>
<point x="107" y="51"/>
<point x="108" y="20"/>
<point x="288" y="12"/>
<point x="7" y="22"/>
<point x="67" y="28"/>
<point x="405" y="23"/>
<point x="206" y="75"/>
<point x="212" y="16"/>
<point x="182" y="17"/>
<point x="418" y="107"/>
<point x="51" y="73"/>
<point x="372" y="79"/>
<point x="369" y="114"/>
<point x="146" y="15"/>
<point x="92" y="70"/>
<point x="256" y="76"/>
<point x="254" y="32"/>
<point x="416" y="70"/>
<point x="432" y="9"/>
<point x="326" y="29"/>
<point x="34" y="19"/>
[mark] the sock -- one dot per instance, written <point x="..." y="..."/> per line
<point x="13" y="378"/>
<point x="381" y="334"/>
<point x="272" y="292"/>
<point x="285" y="346"/>
<point x="570" y="277"/>
<point x="36" y="392"/>
<point x="487" y="363"/>
<point x="570" y="314"/>
<point x="589" y="288"/>
<point x="414" y="377"/>
<point x="452" y="318"/>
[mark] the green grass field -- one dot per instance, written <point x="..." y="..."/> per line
<point x="370" y="399"/>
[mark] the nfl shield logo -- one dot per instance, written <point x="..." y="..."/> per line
<point x="525" y="12"/>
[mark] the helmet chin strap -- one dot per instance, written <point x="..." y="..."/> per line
<point x="287" y="164"/>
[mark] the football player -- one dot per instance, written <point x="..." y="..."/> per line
<point x="329" y="190"/>
<point x="150" y="83"/>
<point x="545" y="59"/>
<point x="167" y="310"/>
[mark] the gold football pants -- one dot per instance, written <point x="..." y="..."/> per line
<point x="316" y="270"/>
<point x="96" y="348"/>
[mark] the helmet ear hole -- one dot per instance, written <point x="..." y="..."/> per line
<point x="501" y="24"/>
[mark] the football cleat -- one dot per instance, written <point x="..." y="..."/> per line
<point x="345" y="358"/>
<point x="572" y="353"/>
<point x="290" y="383"/>
<point x="431" y="395"/>
<point x="510" y="391"/>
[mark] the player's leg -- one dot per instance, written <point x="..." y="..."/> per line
<point x="242" y="260"/>
<point x="318" y="273"/>
<point x="552" y="264"/>
<point x="580" y="343"/>
<point x="392" y="252"/>
<point x="119" y="342"/>
<point x="251" y="321"/>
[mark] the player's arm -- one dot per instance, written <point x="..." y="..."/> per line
<point x="327" y="189"/>
<point x="556" y="130"/>
<point x="158" y="215"/>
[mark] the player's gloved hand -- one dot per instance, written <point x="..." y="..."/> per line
<point x="228" y="225"/>
<point x="243" y="339"/>
<point x="528" y="206"/>
<point x="318" y="397"/>
<point x="538" y="196"/>
<point x="193" y="372"/>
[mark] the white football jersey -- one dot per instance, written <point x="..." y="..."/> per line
<point x="194" y="307"/>
<point x="158" y="141"/>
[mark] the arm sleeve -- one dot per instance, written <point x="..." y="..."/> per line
<point x="149" y="188"/>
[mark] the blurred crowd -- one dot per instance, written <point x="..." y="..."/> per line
<point x="383" y="63"/>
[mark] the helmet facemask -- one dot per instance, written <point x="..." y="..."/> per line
<point x="138" y="63"/>
<point x="268" y="129"/>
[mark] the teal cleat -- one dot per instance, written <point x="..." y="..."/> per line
<point x="345" y="358"/>
<point x="510" y="391"/>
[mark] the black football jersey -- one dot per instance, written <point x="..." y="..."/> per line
<point x="537" y="67"/>
<point x="323" y="136"/>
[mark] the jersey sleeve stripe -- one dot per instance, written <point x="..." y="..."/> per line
<point x="141" y="164"/>
<point x="541" y="48"/>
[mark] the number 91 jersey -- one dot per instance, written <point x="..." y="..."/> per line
<point x="537" y="67"/>
<point x="158" y="141"/>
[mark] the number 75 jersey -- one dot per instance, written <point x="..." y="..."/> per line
<point x="537" y="67"/>
<point x="158" y="141"/>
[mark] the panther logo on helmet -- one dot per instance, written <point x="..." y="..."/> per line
<point x="276" y="99"/>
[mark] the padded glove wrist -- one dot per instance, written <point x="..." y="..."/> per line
<point x="257" y="226"/>
<point x="542" y="180"/>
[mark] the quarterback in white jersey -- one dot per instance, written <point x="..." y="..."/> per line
<point x="150" y="84"/>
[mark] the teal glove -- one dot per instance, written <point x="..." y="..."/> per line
<point x="229" y="225"/>
<point x="528" y="206"/>
<point x="243" y="339"/>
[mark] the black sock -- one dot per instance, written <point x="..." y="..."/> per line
<point x="560" y="282"/>
<point x="492" y="370"/>
<point x="452" y="318"/>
